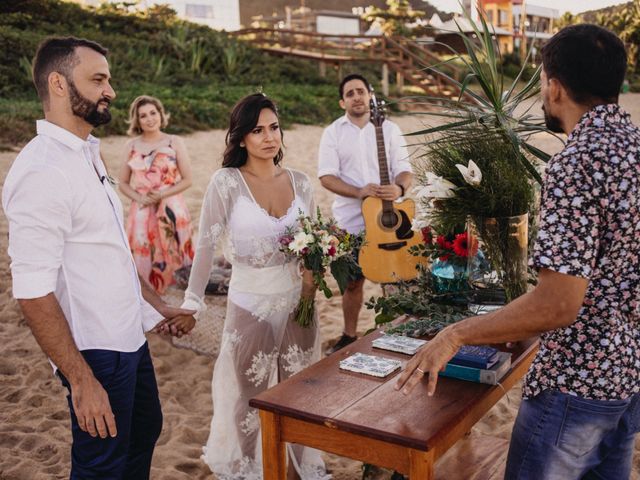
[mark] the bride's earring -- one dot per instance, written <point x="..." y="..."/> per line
<point x="242" y="145"/>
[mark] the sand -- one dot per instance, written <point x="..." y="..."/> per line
<point x="34" y="419"/>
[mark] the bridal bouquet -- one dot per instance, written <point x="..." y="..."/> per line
<point x="320" y="244"/>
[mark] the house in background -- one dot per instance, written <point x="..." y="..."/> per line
<point x="449" y="34"/>
<point x="511" y="14"/>
<point x="338" y="23"/>
<point x="538" y="24"/>
<point x="217" y="14"/>
<point x="319" y="21"/>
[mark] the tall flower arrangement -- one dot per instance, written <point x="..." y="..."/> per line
<point x="477" y="162"/>
<point x="483" y="184"/>
<point x="470" y="175"/>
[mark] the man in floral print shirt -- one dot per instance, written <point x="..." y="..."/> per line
<point x="581" y="406"/>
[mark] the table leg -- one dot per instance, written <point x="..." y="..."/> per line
<point x="420" y="465"/>
<point x="274" y="460"/>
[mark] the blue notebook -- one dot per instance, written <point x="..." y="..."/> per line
<point x="476" y="356"/>
<point x="490" y="376"/>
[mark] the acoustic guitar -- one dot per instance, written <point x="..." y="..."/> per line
<point x="384" y="256"/>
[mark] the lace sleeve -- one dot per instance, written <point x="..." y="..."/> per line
<point x="213" y="222"/>
<point x="305" y="191"/>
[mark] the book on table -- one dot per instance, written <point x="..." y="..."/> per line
<point x="475" y="363"/>
<point x="398" y="343"/>
<point x="489" y="376"/>
<point x="476" y="356"/>
<point x="370" y="364"/>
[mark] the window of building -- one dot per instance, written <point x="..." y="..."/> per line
<point x="196" y="10"/>
<point x="503" y="17"/>
<point x="543" y="25"/>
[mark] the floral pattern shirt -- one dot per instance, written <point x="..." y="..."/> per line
<point x="590" y="228"/>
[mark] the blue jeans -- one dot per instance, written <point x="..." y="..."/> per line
<point x="130" y="382"/>
<point x="563" y="437"/>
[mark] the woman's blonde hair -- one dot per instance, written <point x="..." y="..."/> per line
<point x="134" y="122"/>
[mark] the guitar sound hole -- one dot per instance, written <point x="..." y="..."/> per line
<point x="389" y="219"/>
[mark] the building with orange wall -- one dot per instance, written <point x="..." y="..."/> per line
<point x="510" y="15"/>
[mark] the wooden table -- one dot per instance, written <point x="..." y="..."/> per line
<point x="366" y="419"/>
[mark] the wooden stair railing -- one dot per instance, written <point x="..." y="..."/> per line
<point x="413" y="60"/>
<point x="404" y="56"/>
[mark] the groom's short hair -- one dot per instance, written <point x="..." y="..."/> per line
<point x="58" y="54"/>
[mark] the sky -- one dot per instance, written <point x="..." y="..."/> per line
<point x="573" y="6"/>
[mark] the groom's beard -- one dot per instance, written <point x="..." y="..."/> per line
<point x="86" y="109"/>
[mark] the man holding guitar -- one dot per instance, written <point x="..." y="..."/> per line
<point x="348" y="166"/>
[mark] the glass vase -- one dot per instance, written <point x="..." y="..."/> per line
<point x="498" y="262"/>
<point x="449" y="276"/>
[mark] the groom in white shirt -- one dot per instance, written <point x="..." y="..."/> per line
<point x="348" y="166"/>
<point x="73" y="273"/>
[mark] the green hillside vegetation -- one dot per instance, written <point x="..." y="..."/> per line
<point x="197" y="72"/>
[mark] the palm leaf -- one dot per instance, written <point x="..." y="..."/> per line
<point x="544" y="156"/>
<point x="493" y="107"/>
<point x="441" y="128"/>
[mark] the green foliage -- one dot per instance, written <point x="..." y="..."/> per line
<point x="420" y="299"/>
<point x="198" y="73"/>
<point x="191" y="108"/>
<point x="505" y="190"/>
<point x="512" y="67"/>
<point x="565" y="20"/>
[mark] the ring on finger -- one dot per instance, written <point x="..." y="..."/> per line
<point x="420" y="371"/>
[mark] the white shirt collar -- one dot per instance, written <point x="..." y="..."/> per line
<point x="64" y="136"/>
<point x="346" y="120"/>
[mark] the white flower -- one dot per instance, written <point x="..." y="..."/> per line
<point x="325" y="242"/>
<point x="300" y="241"/>
<point x="471" y="174"/>
<point x="436" y="187"/>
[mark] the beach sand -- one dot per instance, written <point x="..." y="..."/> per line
<point x="34" y="419"/>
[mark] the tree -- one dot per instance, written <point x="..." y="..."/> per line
<point x="394" y="19"/>
<point x="565" y="20"/>
<point x="625" y="22"/>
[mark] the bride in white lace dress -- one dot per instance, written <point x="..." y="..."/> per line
<point x="248" y="206"/>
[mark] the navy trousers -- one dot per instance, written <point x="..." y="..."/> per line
<point x="130" y="382"/>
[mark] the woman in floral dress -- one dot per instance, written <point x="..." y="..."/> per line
<point x="156" y="172"/>
<point x="248" y="206"/>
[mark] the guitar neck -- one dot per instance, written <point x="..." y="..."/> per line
<point x="382" y="156"/>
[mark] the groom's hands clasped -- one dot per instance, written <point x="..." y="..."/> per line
<point x="177" y="321"/>
<point x="177" y="326"/>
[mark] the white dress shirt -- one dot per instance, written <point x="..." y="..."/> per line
<point x="66" y="236"/>
<point x="350" y="153"/>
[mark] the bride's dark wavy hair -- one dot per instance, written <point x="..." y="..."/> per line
<point x="244" y="118"/>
